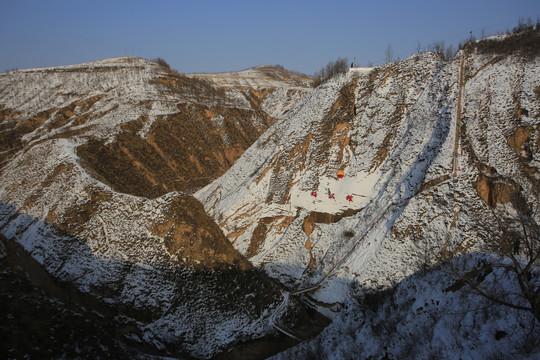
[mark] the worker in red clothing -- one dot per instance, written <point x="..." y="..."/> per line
<point x="349" y="197"/>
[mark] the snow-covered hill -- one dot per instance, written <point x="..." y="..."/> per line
<point x="96" y="164"/>
<point x="273" y="88"/>
<point x="264" y="76"/>
<point x="98" y="161"/>
<point x="427" y="148"/>
<point x="190" y="130"/>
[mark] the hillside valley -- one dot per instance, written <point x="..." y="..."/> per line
<point x="378" y="176"/>
<point x="98" y="162"/>
<point x="198" y="215"/>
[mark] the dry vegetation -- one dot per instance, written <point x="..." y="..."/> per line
<point x="525" y="39"/>
<point x="331" y="69"/>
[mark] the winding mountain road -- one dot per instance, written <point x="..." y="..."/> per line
<point x="280" y="308"/>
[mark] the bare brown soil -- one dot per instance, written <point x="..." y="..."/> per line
<point x="259" y="234"/>
<point x="14" y="126"/>
<point x="518" y="140"/>
<point x="325" y="218"/>
<point x="182" y="152"/>
<point x="495" y="190"/>
<point x="194" y="238"/>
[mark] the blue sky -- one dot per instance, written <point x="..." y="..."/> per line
<point x="214" y="36"/>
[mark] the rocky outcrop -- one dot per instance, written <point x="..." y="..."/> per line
<point x="496" y="190"/>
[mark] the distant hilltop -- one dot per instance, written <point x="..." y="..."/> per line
<point x="361" y="69"/>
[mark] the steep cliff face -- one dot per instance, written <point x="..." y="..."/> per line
<point x="97" y="163"/>
<point x="427" y="147"/>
